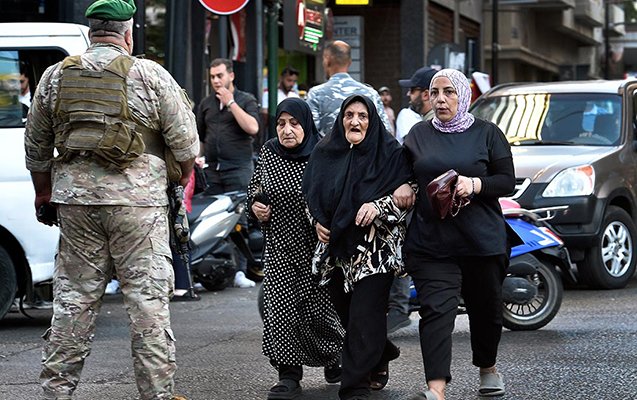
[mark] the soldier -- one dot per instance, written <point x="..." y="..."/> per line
<point x="325" y="100"/>
<point x="118" y="124"/>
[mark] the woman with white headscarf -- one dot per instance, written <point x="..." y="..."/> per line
<point x="465" y="255"/>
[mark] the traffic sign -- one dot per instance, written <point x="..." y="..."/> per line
<point x="224" y="7"/>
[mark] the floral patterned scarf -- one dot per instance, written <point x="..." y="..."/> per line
<point x="462" y="120"/>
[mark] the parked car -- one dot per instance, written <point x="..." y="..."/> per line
<point x="27" y="248"/>
<point x="574" y="143"/>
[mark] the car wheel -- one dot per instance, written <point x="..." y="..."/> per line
<point x="610" y="262"/>
<point x="8" y="282"/>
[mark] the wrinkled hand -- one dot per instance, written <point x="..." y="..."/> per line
<point x="224" y="96"/>
<point x="261" y="211"/>
<point x="366" y="214"/>
<point x="404" y="197"/>
<point x="466" y="188"/>
<point x="323" y="233"/>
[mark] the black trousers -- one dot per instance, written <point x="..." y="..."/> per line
<point x="363" y="313"/>
<point x="440" y="283"/>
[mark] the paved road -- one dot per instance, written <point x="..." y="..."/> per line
<point x="588" y="352"/>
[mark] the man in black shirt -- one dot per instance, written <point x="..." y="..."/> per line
<point x="227" y="122"/>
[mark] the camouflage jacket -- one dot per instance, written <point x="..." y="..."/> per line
<point x="153" y="98"/>
<point x="325" y="100"/>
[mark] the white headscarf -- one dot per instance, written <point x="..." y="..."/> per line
<point x="462" y="120"/>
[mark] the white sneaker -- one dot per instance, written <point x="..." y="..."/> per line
<point x="241" y="281"/>
<point x="112" y="287"/>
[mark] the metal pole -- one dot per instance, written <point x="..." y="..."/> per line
<point x="494" y="43"/>
<point x="273" y="65"/>
<point x="606" y="39"/>
<point x="258" y="9"/>
<point x="139" y="26"/>
<point x="223" y="36"/>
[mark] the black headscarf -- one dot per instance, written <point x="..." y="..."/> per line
<point x="341" y="177"/>
<point x="301" y="111"/>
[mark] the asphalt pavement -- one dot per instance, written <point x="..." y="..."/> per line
<point x="588" y="352"/>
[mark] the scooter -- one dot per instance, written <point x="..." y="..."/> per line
<point x="532" y="290"/>
<point x="215" y="232"/>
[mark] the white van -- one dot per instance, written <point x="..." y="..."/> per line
<point x="27" y="248"/>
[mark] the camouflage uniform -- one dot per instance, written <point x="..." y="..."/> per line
<point x="112" y="219"/>
<point x="325" y="100"/>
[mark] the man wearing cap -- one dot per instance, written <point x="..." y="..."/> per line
<point x="325" y="100"/>
<point x="385" y="97"/>
<point x="121" y="127"/>
<point x="420" y="108"/>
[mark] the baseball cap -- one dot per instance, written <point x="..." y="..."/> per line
<point x="420" y="79"/>
<point x="383" y="89"/>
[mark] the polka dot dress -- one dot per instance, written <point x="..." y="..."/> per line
<point x="300" y="325"/>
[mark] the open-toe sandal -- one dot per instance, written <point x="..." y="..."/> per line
<point x="380" y="377"/>
<point x="491" y="385"/>
<point x="284" y="390"/>
<point x="426" y="395"/>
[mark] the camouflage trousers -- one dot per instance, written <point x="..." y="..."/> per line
<point x="94" y="241"/>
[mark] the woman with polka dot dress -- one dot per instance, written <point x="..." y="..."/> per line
<point x="300" y="325"/>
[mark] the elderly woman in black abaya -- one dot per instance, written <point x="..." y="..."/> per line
<point x="348" y="185"/>
<point x="300" y="325"/>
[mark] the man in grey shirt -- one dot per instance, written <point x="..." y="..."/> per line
<point x="325" y="100"/>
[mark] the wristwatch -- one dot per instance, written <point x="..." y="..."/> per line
<point x="231" y="102"/>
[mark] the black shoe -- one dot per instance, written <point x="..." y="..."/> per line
<point x="284" y="390"/>
<point x="186" y="297"/>
<point x="397" y="320"/>
<point x="332" y="374"/>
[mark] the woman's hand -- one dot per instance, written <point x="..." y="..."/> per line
<point x="468" y="186"/>
<point x="404" y="196"/>
<point x="366" y="214"/>
<point x="323" y="233"/>
<point x="261" y="211"/>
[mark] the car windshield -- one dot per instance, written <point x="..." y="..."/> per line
<point x="533" y="119"/>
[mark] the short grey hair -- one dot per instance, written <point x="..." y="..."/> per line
<point x="101" y="28"/>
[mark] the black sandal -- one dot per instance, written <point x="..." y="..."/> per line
<point x="380" y="375"/>
<point x="286" y="389"/>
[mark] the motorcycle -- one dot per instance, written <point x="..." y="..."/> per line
<point x="532" y="290"/>
<point x="215" y="232"/>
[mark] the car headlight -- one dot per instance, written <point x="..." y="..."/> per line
<point x="576" y="181"/>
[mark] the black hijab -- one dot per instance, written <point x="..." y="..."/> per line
<point x="341" y="177"/>
<point x="301" y="111"/>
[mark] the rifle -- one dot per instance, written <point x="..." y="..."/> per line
<point x="180" y="232"/>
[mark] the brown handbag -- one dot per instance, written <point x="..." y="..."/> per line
<point x="442" y="195"/>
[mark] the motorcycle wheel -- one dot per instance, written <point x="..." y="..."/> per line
<point x="543" y="308"/>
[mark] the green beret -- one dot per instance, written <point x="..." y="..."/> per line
<point x="111" y="10"/>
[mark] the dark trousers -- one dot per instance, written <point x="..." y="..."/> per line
<point x="439" y="284"/>
<point x="229" y="181"/>
<point x="363" y="314"/>
<point x="294" y="372"/>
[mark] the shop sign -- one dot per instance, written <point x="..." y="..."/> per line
<point x="304" y="25"/>
<point x="353" y="2"/>
<point x="224" y="7"/>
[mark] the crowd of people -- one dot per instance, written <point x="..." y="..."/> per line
<point x="338" y="193"/>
